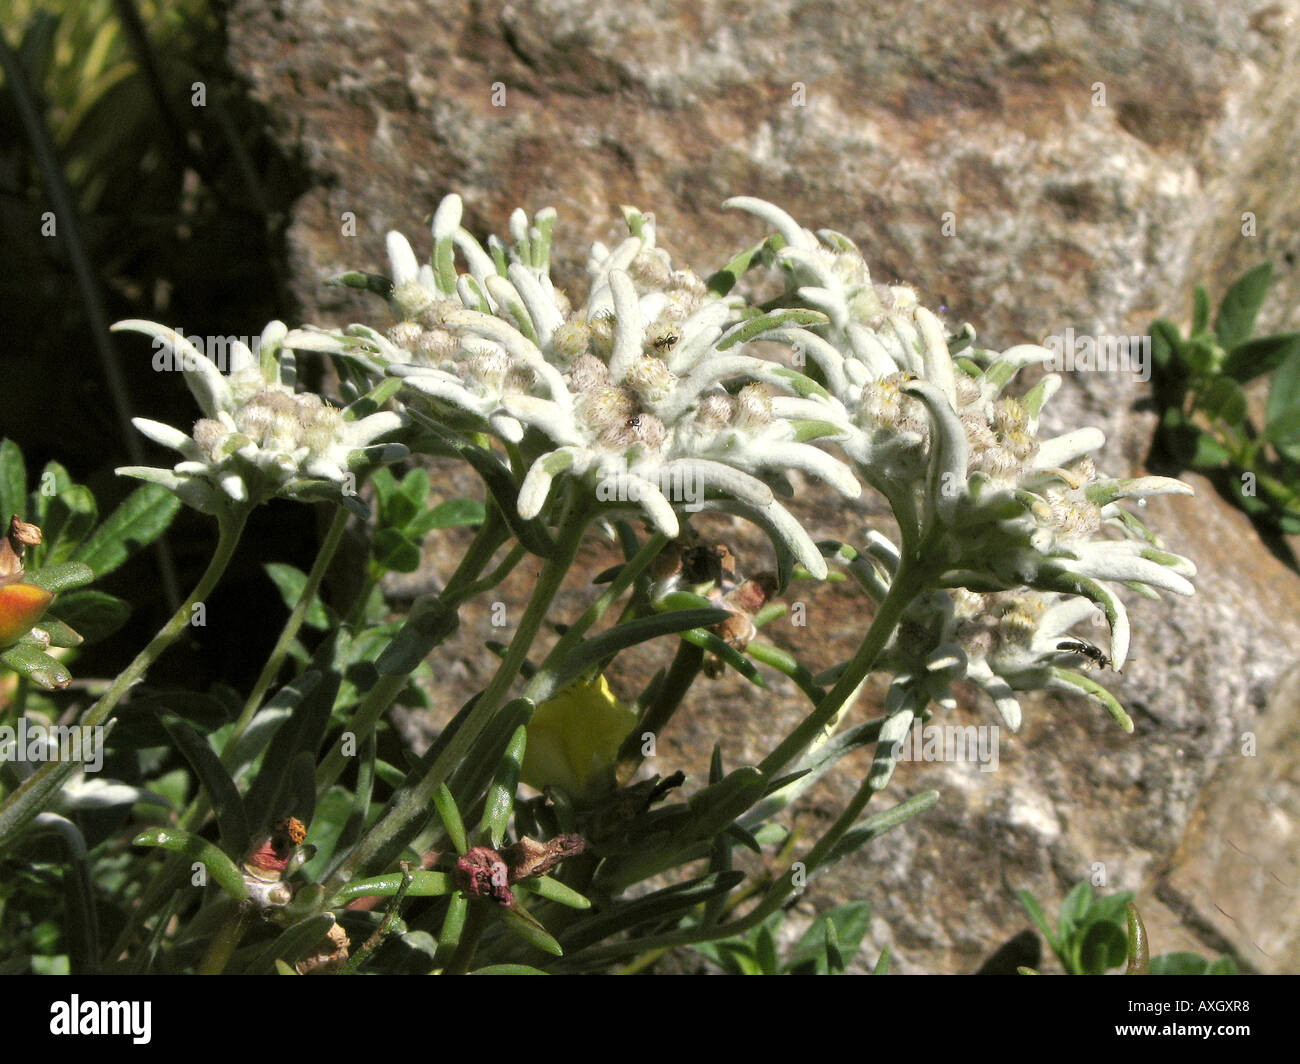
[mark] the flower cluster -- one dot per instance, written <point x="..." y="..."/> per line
<point x="1012" y="523"/>
<point x="640" y="394"/>
<point x="645" y="398"/>
<point x="259" y="437"/>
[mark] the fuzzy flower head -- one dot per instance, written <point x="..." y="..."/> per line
<point x="642" y="395"/>
<point x="259" y="437"/>
<point x="983" y="501"/>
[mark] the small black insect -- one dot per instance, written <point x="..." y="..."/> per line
<point x="1092" y="653"/>
<point x="662" y="343"/>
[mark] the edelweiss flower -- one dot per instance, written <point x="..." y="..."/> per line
<point x="981" y="501"/>
<point x="258" y="437"/>
<point x="626" y="394"/>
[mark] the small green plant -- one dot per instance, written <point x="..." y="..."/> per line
<point x="826" y="948"/>
<point x="1205" y="418"/>
<point x="1094" y="935"/>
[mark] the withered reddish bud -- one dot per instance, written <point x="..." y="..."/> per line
<point x="753" y="594"/>
<point x="481" y="873"/>
<point x="19" y="536"/>
<point x="269" y="859"/>
<point x="528" y="857"/>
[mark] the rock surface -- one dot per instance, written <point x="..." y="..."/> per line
<point x="1097" y="161"/>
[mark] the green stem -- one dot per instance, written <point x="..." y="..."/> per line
<point x="908" y="582"/>
<point x="460" y="587"/>
<point x="681" y="674"/>
<point x="415" y="802"/>
<point x="574" y="633"/>
<point x="224" y="941"/>
<point x="36" y="791"/>
<point x="291" y="628"/>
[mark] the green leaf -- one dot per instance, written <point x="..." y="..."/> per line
<point x="1223" y="398"/>
<point x="29" y="660"/>
<point x="218" y="866"/>
<point x="13" y="484"/>
<point x="669" y="903"/>
<point x="423" y="885"/>
<point x="312" y="697"/>
<point x="1165" y="341"/>
<point x="1074" y="908"/>
<point x="777" y="319"/>
<point x="1264" y="354"/>
<point x="429" y="623"/>
<point x="629" y="633"/>
<point x="849" y="922"/>
<point x="1282" y="423"/>
<point x="1036" y="914"/>
<point x="232" y="822"/>
<point x="61" y="577"/>
<point x="294" y="944"/>
<point x="369" y="282"/>
<point x="765" y="951"/>
<point x="1236" y="317"/>
<point x="873" y="827"/>
<point x="1104" y="946"/>
<point x="94" y="614"/>
<point x="525" y="927"/>
<point x="290" y="582"/>
<point x="1139" y="963"/>
<point x="143" y="516"/>
<point x="72" y="515"/>
<point x="1200" y="310"/>
<point x="1179" y="964"/>
<point x="1200" y="356"/>
<point x="508" y="969"/>
<point x="725" y="279"/>
<point x="450" y="816"/>
<point x="394" y="550"/>
<point x="500" y="800"/>
<point x="728" y="654"/>
<point x="553" y="890"/>
<point x="454" y="513"/>
<point x="1208" y="453"/>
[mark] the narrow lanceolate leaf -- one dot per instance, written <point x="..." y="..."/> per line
<point x="220" y="868"/>
<point x="553" y="890"/>
<point x="500" y="802"/>
<point x="525" y="927"/>
<point x="369" y="282"/>
<point x="423" y="885"/>
<point x="1067" y="679"/>
<point x="232" y="823"/>
<point x="621" y="636"/>
<point x="878" y="825"/>
<point x="450" y="816"/>
<point x="292" y="945"/>
<point x="13" y="484"/>
<point x="754" y="327"/>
